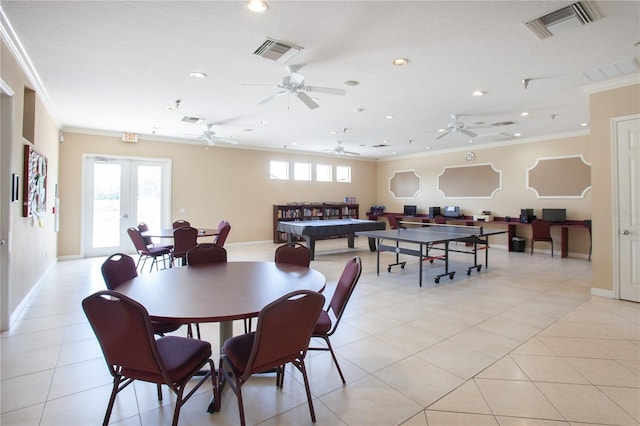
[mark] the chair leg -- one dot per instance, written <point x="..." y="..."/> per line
<point x="116" y="384"/>
<point x="335" y="360"/>
<point x="300" y="366"/>
<point x="159" y="393"/>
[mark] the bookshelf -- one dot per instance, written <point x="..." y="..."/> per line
<point x="311" y="211"/>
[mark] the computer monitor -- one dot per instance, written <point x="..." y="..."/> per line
<point x="554" y="215"/>
<point x="410" y="210"/>
<point x="452" y="211"/>
<point x="434" y="211"/>
<point x="526" y="215"/>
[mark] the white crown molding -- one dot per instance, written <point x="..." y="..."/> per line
<point x="614" y="83"/>
<point x="12" y="41"/>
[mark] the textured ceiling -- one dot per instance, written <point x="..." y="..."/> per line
<point x="116" y="66"/>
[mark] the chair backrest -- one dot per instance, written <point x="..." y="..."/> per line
<point x="224" y="228"/>
<point x="143" y="227"/>
<point x="293" y="254"/>
<point x="180" y="223"/>
<point x="440" y="220"/>
<point x="184" y="239"/>
<point x="393" y="221"/>
<point x="206" y="253"/>
<point x="124" y="332"/>
<point x="117" y="269"/>
<point x="346" y="284"/>
<point x="284" y="329"/>
<point x="137" y="240"/>
<point x="541" y="228"/>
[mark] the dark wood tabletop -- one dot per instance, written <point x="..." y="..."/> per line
<point x="218" y="292"/>
<point x="168" y="232"/>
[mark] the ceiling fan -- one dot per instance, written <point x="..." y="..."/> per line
<point x="293" y="84"/>
<point x="339" y="150"/>
<point x="210" y="137"/>
<point x="457" y="126"/>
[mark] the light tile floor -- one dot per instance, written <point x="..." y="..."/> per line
<point x="521" y="343"/>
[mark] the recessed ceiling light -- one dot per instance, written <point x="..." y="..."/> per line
<point x="428" y="147"/>
<point x="517" y="134"/>
<point x="334" y="132"/>
<point x="198" y="74"/>
<point x="524" y="113"/>
<point x="264" y="122"/>
<point x="442" y="130"/>
<point x="384" y="141"/>
<point x="584" y="124"/>
<point x="257" y="6"/>
<point x="351" y="83"/>
<point x="470" y="140"/>
<point x="400" y="62"/>
<point x="388" y="117"/>
<point x="478" y="93"/>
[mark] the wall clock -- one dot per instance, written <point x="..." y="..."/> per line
<point x="469" y="156"/>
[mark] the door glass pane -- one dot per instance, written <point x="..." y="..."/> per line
<point x="149" y="196"/>
<point x="106" y="205"/>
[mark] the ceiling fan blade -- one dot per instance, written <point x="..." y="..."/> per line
<point x="350" y="153"/>
<point x="229" y="141"/>
<point x="443" y="134"/>
<point x="328" y="90"/>
<point x="307" y="100"/>
<point x="468" y="133"/>
<point x="270" y="98"/>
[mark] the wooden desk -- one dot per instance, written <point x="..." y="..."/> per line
<point x="168" y="232"/>
<point x="221" y="292"/>
<point x="564" y="231"/>
<point x="510" y="223"/>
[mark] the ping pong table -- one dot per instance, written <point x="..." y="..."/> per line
<point x="430" y="238"/>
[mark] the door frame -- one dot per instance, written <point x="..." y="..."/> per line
<point x="166" y="190"/>
<point x="6" y="154"/>
<point x="615" y="221"/>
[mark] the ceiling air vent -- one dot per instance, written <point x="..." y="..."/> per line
<point x="503" y="123"/>
<point x="192" y="120"/>
<point x="276" y="50"/>
<point x="581" y="12"/>
<point x="382" y="145"/>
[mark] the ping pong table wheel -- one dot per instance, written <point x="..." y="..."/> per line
<point x="402" y="265"/>
<point x="479" y="268"/>
<point x="450" y="276"/>
<point x="430" y="260"/>
<point x="389" y="269"/>
<point x="437" y="280"/>
<point x="469" y="271"/>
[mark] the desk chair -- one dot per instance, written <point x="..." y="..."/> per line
<point x="282" y="336"/>
<point x="145" y="252"/>
<point x="125" y="334"/>
<point x="325" y="326"/>
<point x="541" y="230"/>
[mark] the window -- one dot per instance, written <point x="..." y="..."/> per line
<point x="279" y="170"/>
<point x="343" y="174"/>
<point x="302" y="171"/>
<point x="323" y="172"/>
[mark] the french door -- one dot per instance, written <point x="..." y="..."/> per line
<point x="120" y="193"/>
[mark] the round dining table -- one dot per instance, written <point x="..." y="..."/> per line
<point x="168" y="232"/>
<point x="219" y="292"/>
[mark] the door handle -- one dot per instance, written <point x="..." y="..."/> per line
<point x="625" y="232"/>
<point x="124" y="216"/>
<point x="3" y="242"/>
